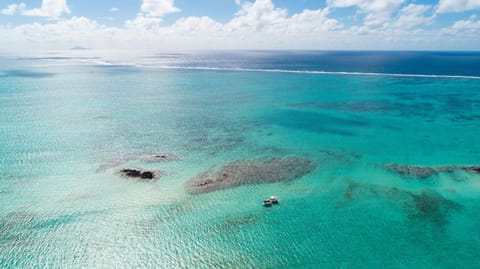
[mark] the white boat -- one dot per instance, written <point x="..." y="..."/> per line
<point x="267" y="203"/>
<point x="270" y="202"/>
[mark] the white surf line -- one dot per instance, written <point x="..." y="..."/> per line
<point x="308" y="72"/>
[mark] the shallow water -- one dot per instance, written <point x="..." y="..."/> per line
<point x="66" y="128"/>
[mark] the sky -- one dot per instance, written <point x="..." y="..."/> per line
<point x="171" y="25"/>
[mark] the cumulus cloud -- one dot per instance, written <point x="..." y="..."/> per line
<point x="151" y="14"/>
<point x="314" y="20"/>
<point x="81" y="26"/>
<point x="413" y="15"/>
<point x="262" y="16"/>
<point x="50" y="8"/>
<point x="257" y="15"/>
<point x="114" y="9"/>
<point x="470" y="26"/>
<point x="13" y="9"/>
<point x="197" y="25"/>
<point x="52" y="35"/>
<point x="158" y="8"/>
<point x="142" y="22"/>
<point x="446" y="6"/>
<point x="377" y="12"/>
<point x="258" y="24"/>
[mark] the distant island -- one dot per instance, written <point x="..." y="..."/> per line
<point x="80" y="48"/>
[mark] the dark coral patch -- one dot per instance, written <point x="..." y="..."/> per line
<point x="411" y="171"/>
<point x="243" y="172"/>
<point x="427" y="205"/>
<point x="422" y="172"/>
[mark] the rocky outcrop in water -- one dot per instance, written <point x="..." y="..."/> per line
<point x="139" y="174"/>
<point x="243" y="172"/>
<point x="474" y="169"/>
<point x="422" y="172"/>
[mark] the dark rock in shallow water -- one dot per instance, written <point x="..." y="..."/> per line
<point x="423" y="172"/>
<point x="139" y="174"/>
<point x="243" y="172"/>
<point x="159" y="157"/>
<point x="474" y="169"/>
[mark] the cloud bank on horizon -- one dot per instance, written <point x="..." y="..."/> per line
<point x="253" y="24"/>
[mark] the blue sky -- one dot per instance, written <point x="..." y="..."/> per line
<point x="241" y="24"/>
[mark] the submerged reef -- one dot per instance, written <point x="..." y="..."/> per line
<point x="431" y="205"/>
<point x="426" y="205"/>
<point x="407" y="105"/>
<point x="234" y="221"/>
<point x="422" y="172"/>
<point x="411" y="171"/>
<point x="338" y="156"/>
<point x="354" y="106"/>
<point x="135" y="173"/>
<point x="243" y="172"/>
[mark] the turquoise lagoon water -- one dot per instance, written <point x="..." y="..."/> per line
<point x="67" y="125"/>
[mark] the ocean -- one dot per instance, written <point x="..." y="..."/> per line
<point x="373" y="155"/>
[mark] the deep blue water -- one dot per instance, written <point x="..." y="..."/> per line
<point x="399" y="62"/>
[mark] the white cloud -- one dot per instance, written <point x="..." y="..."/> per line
<point x="377" y="11"/>
<point x="197" y="25"/>
<point x="257" y="15"/>
<point x="50" y="8"/>
<point x="13" y="8"/>
<point x="413" y="15"/>
<point x="263" y="17"/>
<point x="446" y="6"/>
<point x="143" y="23"/>
<point x="470" y="26"/>
<point x="114" y="9"/>
<point x="257" y="25"/>
<point x="401" y="31"/>
<point x="261" y="25"/>
<point x="158" y="8"/>
<point x="59" y="33"/>
<point x="314" y="20"/>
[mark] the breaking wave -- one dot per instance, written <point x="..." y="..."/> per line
<point x="206" y="68"/>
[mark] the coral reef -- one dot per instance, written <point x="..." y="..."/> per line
<point x="422" y="172"/>
<point x="243" y="172"/>
<point x="426" y="205"/>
